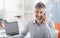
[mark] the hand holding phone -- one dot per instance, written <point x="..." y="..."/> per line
<point x="43" y="18"/>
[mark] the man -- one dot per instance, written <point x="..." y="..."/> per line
<point x="40" y="27"/>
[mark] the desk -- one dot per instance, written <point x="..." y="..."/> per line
<point x="3" y="33"/>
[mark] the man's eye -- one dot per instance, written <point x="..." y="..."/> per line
<point x="41" y="12"/>
<point x="36" y="11"/>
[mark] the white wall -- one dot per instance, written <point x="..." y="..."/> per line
<point x="11" y="9"/>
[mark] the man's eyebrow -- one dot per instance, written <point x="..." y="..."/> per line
<point x="37" y="11"/>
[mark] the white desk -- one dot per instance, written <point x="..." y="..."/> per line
<point x="3" y="33"/>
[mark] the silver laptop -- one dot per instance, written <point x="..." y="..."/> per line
<point x="11" y="28"/>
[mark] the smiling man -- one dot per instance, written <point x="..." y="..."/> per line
<point x="40" y="27"/>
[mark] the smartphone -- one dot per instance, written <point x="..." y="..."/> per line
<point x="42" y="18"/>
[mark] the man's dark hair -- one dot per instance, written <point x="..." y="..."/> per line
<point x="40" y="5"/>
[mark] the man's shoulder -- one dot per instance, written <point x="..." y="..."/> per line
<point x="50" y="21"/>
<point x="30" y="22"/>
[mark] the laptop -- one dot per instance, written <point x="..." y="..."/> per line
<point x="11" y="28"/>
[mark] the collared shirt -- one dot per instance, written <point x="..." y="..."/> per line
<point x="41" y="31"/>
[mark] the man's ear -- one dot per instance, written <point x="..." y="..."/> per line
<point x="44" y="13"/>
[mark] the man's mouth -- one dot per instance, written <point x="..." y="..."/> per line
<point x="39" y="17"/>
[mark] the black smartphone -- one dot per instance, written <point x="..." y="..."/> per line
<point x="42" y="18"/>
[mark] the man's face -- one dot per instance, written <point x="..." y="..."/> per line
<point x="39" y="12"/>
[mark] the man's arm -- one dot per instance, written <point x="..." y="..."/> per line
<point x="25" y="31"/>
<point x="51" y="31"/>
<point x="51" y="25"/>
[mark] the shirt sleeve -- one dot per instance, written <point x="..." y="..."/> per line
<point x="51" y="25"/>
<point x="25" y="31"/>
<point x="51" y="34"/>
<point x="51" y="31"/>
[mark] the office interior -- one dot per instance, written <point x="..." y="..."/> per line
<point x="22" y="12"/>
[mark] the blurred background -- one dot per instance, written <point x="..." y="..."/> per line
<point x="25" y="9"/>
<point x="22" y="10"/>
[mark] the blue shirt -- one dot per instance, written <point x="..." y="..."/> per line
<point x="41" y="31"/>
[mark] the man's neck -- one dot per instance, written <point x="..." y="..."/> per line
<point x="38" y="22"/>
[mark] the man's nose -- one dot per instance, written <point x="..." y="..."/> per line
<point x="39" y="14"/>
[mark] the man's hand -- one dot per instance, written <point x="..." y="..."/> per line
<point x="45" y="19"/>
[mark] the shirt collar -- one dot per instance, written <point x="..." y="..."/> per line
<point x="34" y="22"/>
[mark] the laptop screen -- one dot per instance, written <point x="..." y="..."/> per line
<point x="11" y="27"/>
